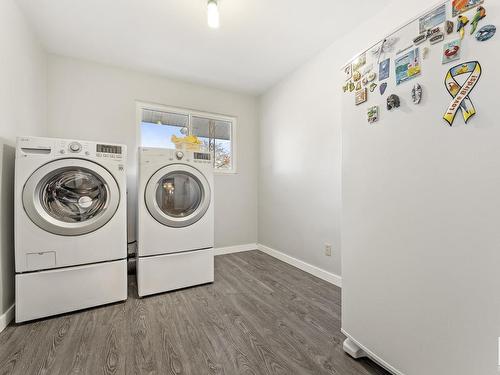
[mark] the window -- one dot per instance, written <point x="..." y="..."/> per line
<point x="216" y="132"/>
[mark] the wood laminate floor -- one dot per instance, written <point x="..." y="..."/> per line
<point x="261" y="316"/>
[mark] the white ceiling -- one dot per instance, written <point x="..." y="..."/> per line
<point x="259" y="42"/>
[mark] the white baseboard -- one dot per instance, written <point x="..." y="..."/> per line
<point x="372" y="355"/>
<point x="306" y="267"/>
<point x="6" y="318"/>
<point x="235" y="249"/>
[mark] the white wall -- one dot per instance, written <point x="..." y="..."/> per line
<point x="22" y="111"/>
<point x="300" y="142"/>
<point x="97" y="102"/>
<point x="300" y="165"/>
<point x="299" y="189"/>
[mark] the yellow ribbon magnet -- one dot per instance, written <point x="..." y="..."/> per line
<point x="460" y="93"/>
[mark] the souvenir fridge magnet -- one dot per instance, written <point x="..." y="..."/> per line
<point x="361" y="96"/>
<point x="352" y="86"/>
<point x="460" y="92"/>
<point x="367" y="69"/>
<point x="416" y="94"/>
<point x="356" y="76"/>
<point x="358" y="86"/>
<point x="461" y="23"/>
<point x="393" y="102"/>
<point x="345" y="87"/>
<point x="436" y="38"/>
<point x="382" y="88"/>
<point x="485" y="33"/>
<point x="369" y="78"/>
<point x="385" y="46"/>
<point x="449" y="26"/>
<point x="451" y="51"/>
<point x="480" y="14"/>
<point x="461" y="6"/>
<point x="435" y="35"/>
<point x="408" y="66"/>
<point x="373" y="86"/>
<point x="420" y="39"/>
<point x="384" y="69"/>
<point x="348" y="72"/>
<point x="435" y="17"/>
<point x="359" y="62"/>
<point x="433" y="31"/>
<point x="425" y="52"/>
<point x="372" y="114"/>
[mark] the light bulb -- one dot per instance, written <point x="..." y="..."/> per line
<point x="213" y="14"/>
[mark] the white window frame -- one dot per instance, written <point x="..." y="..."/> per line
<point x="140" y="106"/>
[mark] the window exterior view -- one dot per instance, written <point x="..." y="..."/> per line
<point x="167" y="127"/>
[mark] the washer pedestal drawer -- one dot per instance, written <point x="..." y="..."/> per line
<point x="57" y="291"/>
<point x="162" y="273"/>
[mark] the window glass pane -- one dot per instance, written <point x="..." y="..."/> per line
<point x="153" y="135"/>
<point x="223" y="154"/>
<point x="216" y="136"/>
<point x="158" y="127"/>
<point x="74" y="195"/>
<point x="179" y="194"/>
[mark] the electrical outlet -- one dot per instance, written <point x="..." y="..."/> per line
<point x="328" y="250"/>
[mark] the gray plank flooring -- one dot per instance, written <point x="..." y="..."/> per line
<point x="261" y="316"/>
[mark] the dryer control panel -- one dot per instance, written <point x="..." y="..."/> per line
<point x="185" y="156"/>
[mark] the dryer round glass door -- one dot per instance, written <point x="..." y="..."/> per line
<point x="177" y="195"/>
<point x="71" y="197"/>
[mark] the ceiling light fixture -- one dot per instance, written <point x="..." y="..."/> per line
<point x="213" y="14"/>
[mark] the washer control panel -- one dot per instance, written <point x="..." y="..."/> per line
<point x="75" y="147"/>
<point x="36" y="147"/>
<point x="105" y="151"/>
<point x="109" y="151"/>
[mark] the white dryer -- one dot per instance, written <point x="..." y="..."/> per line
<point x="70" y="226"/>
<point x="175" y="223"/>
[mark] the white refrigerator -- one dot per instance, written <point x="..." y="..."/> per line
<point x="421" y="216"/>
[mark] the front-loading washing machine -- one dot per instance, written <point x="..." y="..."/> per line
<point x="70" y="226"/>
<point x="175" y="220"/>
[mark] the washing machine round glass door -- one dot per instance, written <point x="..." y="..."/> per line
<point x="71" y="197"/>
<point x="177" y="195"/>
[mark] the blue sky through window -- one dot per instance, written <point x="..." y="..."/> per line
<point x="154" y="135"/>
